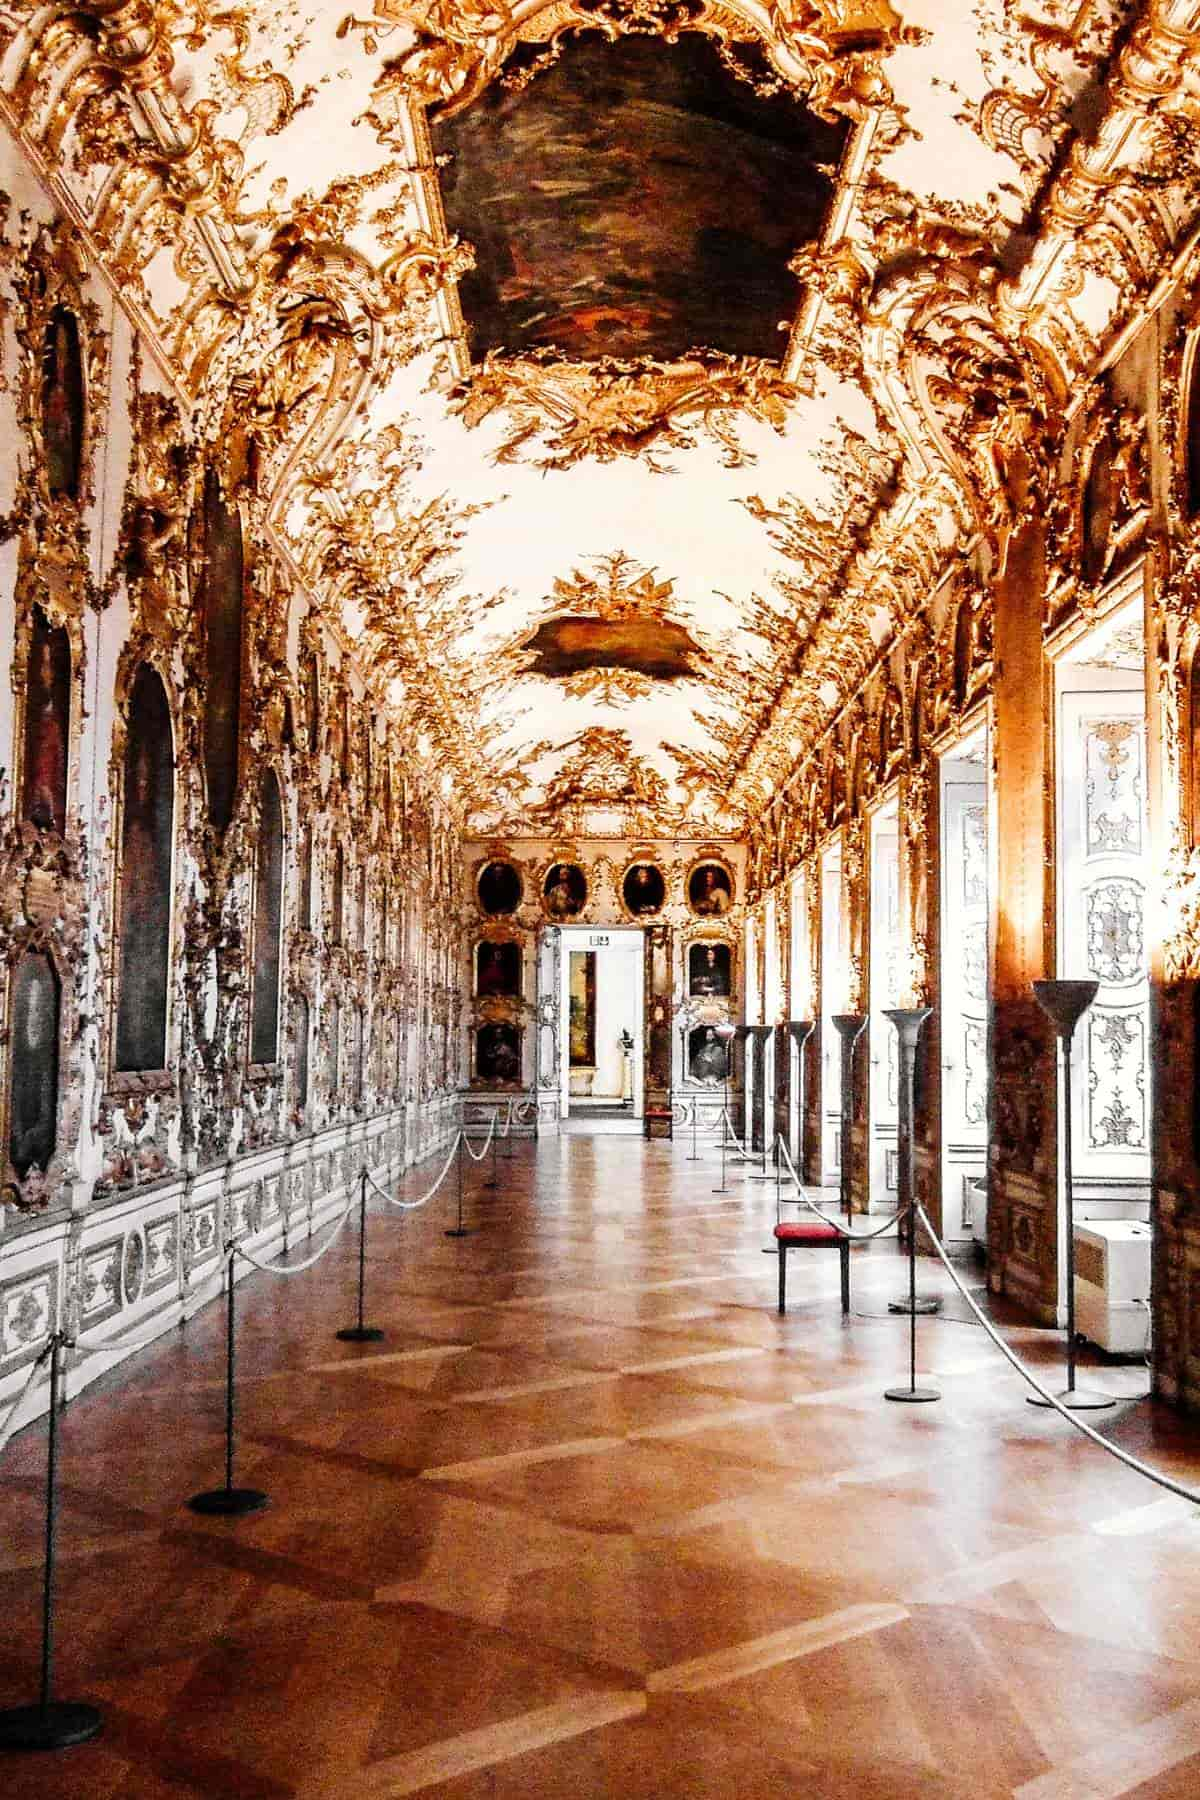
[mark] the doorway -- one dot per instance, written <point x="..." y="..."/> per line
<point x="963" y="983"/>
<point x="602" y="1008"/>
<point x="835" y="981"/>
<point x="884" y="966"/>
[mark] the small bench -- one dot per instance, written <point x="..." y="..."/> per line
<point x="658" y="1115"/>
<point x="811" y="1234"/>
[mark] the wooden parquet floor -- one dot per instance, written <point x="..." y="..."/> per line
<point x="594" y="1521"/>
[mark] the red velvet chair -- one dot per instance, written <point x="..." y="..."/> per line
<point x="811" y="1234"/>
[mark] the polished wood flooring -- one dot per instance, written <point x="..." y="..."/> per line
<point x="594" y="1521"/>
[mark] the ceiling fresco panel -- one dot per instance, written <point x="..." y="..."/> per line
<point x="636" y="199"/>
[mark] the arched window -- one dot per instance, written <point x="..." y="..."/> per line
<point x="1191" y="431"/>
<point x="268" y="923"/>
<point x="33" y="1063"/>
<point x="47" y="726"/>
<point x="306" y="879"/>
<point x="147" y="848"/>
<point x="222" y="612"/>
<point x="335" y="1049"/>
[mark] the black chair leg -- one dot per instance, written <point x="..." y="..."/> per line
<point x="844" y="1248"/>
<point x="782" y="1279"/>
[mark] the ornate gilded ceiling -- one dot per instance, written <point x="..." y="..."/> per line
<point x="618" y="540"/>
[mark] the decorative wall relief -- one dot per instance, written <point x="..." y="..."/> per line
<point x="268" y="922"/>
<point x="145" y="890"/>
<point x="34" y="1021"/>
<point x="222" y="583"/>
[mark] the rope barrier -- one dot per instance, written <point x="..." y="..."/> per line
<point x="9" y="1425"/>
<point x="296" y="1268"/>
<point x="415" y="1205"/>
<point x="508" y="1118"/>
<point x="741" y="1148"/>
<point x="487" y="1142"/>
<point x="1010" y="1355"/>
<point x="802" y="1199"/>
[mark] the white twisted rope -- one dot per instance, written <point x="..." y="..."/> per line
<point x="508" y="1118"/>
<point x="415" y="1205"/>
<point x="733" y="1134"/>
<point x="298" y="1268"/>
<point x="1010" y="1355"/>
<point x="9" y="1425"/>
<point x="801" y="1198"/>
<point x="487" y="1142"/>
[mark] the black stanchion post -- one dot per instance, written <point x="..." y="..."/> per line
<point x="49" y="1724"/>
<point x="727" y="1035"/>
<point x="1064" y="1004"/>
<point x="850" y="1027"/>
<point x="229" y="1502"/>
<point x="908" y="1022"/>
<point x="361" y="1333"/>
<point x="459" y="1230"/>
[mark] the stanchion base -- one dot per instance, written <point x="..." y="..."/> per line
<point x="491" y="1184"/>
<point x="457" y="1231"/>
<point x="229" y="1503"/>
<point x="927" y="1304"/>
<point x="914" y="1396"/>
<point x="721" y="1190"/>
<point x="1076" y="1400"/>
<point x="53" y="1727"/>
<point x="360" y="1334"/>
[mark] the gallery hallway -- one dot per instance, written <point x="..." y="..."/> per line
<point x="595" y="1521"/>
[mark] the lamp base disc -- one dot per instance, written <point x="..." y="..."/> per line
<point x="927" y="1305"/>
<point x="53" y="1727"/>
<point x="360" y="1334"/>
<point x="914" y="1396"/>
<point x="1076" y="1400"/>
<point x="457" y="1231"/>
<point x="229" y="1503"/>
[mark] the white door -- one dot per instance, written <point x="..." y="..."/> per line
<point x="964" y="995"/>
<point x="885" y="992"/>
<point x="1102" y="936"/>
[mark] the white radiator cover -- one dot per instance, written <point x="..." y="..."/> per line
<point x="1112" y="1284"/>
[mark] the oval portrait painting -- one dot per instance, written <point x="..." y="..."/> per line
<point x="565" y="890"/>
<point x="710" y="890"/>
<point x="499" y="888"/>
<point x="644" y="890"/>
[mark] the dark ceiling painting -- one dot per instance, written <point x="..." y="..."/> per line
<point x="654" y="647"/>
<point x="635" y="200"/>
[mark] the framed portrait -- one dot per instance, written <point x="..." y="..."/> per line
<point x="708" y="1057"/>
<point x="644" y="890"/>
<point x="710" y="890"/>
<point x="565" y="891"/>
<point x="499" y="888"/>
<point x="710" y="974"/>
<point x="497" y="1053"/>
<point x="497" y="969"/>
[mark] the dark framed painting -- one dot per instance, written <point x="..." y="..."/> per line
<point x="224" y="574"/>
<point x="144" y="902"/>
<point x="47" y="726"/>
<point x="301" y="1017"/>
<point x="565" y="891"/>
<point x="710" y="890"/>
<point x="500" y="888"/>
<point x="268" y="926"/>
<point x="497" y="969"/>
<point x="63" y="400"/>
<point x="644" y="890"/>
<point x="581" y="1024"/>
<point x="708" y="1057"/>
<point x="33" y="1063"/>
<point x="710" y="972"/>
<point x="497" y="1052"/>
